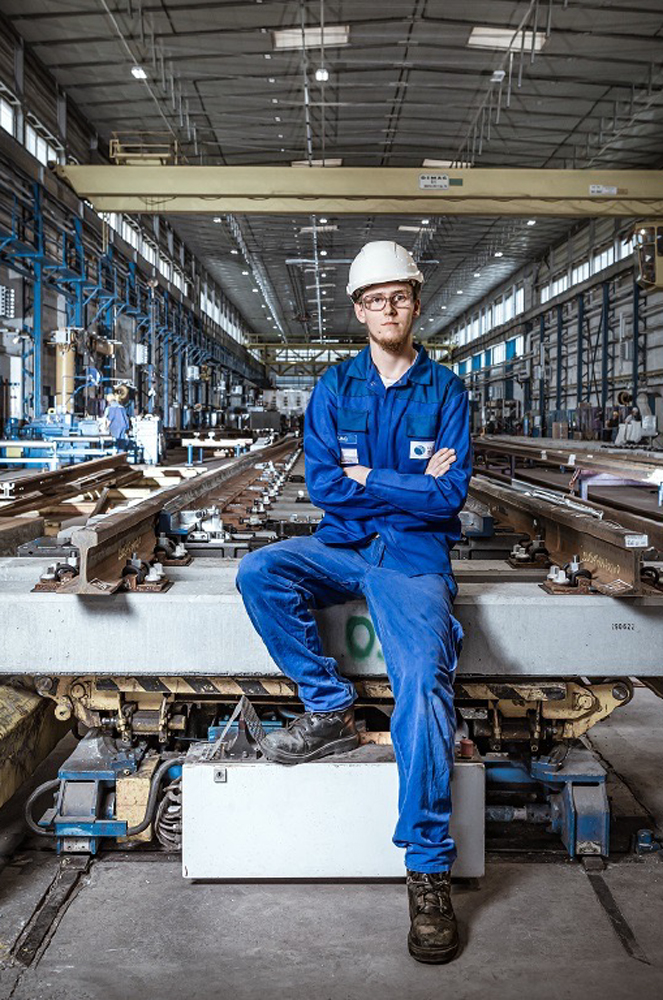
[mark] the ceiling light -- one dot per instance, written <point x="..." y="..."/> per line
<point x="323" y="292"/>
<point x="254" y="289"/>
<point x="245" y="273"/>
<point x="437" y="163"/>
<point x="322" y="74"/>
<point x="318" y="229"/>
<point x="317" y="163"/>
<point x="267" y="55"/>
<point x="430" y="319"/>
<point x="477" y="274"/>
<point x="323" y="221"/>
<point x="498" y="253"/>
<point x="275" y="100"/>
<point x="531" y="222"/>
<point x="497" y="76"/>
<point x="323" y="253"/>
<point x="324" y="274"/>
<point x="411" y="229"/>
<point x="443" y="307"/>
<point x="503" y="38"/>
<point x="280" y="136"/>
<point x="272" y="79"/>
<point x="276" y="118"/>
<point x="235" y="252"/>
<point x="217" y="219"/>
<point x="459" y="291"/>
<point x="425" y="222"/>
<point x="138" y="72"/>
<point x="312" y="38"/>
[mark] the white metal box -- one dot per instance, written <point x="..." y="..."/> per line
<point x="332" y="818"/>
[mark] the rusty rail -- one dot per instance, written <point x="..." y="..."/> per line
<point x="636" y="466"/>
<point x="107" y="541"/>
<point x="610" y="551"/>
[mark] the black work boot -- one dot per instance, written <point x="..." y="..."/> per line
<point x="312" y="735"/>
<point x="433" y="934"/>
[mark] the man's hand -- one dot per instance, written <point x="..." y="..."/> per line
<point x="441" y="462"/>
<point x="357" y="472"/>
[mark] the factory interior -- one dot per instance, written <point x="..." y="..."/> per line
<point x="184" y="188"/>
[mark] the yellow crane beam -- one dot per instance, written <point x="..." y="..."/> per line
<point x="149" y="188"/>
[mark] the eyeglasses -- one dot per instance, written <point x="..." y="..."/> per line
<point x="376" y="303"/>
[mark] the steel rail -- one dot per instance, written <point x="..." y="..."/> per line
<point x="637" y="467"/>
<point x="44" y="480"/>
<point x="610" y="551"/>
<point x="650" y="524"/>
<point x="107" y="541"/>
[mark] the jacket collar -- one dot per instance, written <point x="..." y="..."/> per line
<point x="362" y="365"/>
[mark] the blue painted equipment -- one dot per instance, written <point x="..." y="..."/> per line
<point x="574" y="786"/>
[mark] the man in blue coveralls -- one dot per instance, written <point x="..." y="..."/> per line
<point x="388" y="458"/>
<point x="117" y="420"/>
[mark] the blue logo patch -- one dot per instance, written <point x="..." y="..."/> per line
<point x="347" y="438"/>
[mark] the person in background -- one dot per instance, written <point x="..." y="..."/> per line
<point x="611" y="425"/>
<point x="117" y="421"/>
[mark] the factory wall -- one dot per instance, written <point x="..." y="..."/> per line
<point x="537" y="384"/>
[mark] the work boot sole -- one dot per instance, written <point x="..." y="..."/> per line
<point x="279" y="756"/>
<point x="433" y="956"/>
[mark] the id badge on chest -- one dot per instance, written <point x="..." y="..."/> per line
<point x="349" y="449"/>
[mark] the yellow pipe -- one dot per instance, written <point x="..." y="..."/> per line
<point x="65" y="368"/>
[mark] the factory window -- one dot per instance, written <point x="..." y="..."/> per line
<point x="520" y="301"/>
<point x="7" y="116"/>
<point x="166" y="268"/>
<point x="149" y="251"/>
<point x="559" y="285"/>
<point x="499" y="353"/>
<point x="626" y="247"/>
<point x="580" y="273"/>
<point x="462" y="367"/>
<point x="130" y="234"/>
<point x="545" y="294"/>
<point x="39" y="146"/>
<point x="498" y="312"/>
<point x="487" y="319"/>
<point x="477" y="360"/>
<point x="604" y="258"/>
<point x="514" y="347"/>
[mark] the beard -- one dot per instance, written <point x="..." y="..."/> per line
<point x="392" y="342"/>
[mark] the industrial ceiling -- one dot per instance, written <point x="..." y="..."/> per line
<point x="546" y="83"/>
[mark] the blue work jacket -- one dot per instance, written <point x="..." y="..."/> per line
<point x="118" y="420"/>
<point x="352" y="419"/>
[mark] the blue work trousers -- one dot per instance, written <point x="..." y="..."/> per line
<point x="420" y="639"/>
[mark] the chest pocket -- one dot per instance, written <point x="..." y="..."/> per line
<point x="420" y="430"/>
<point x="352" y="420"/>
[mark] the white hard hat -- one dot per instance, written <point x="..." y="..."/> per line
<point x="382" y="261"/>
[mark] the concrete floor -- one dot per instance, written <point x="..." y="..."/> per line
<point x="133" y="927"/>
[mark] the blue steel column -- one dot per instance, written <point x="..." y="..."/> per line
<point x="542" y="375"/>
<point x="37" y="305"/>
<point x="636" y="339"/>
<point x="166" y="361"/>
<point x="579" y="346"/>
<point x="605" y="334"/>
<point x="558" y="377"/>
